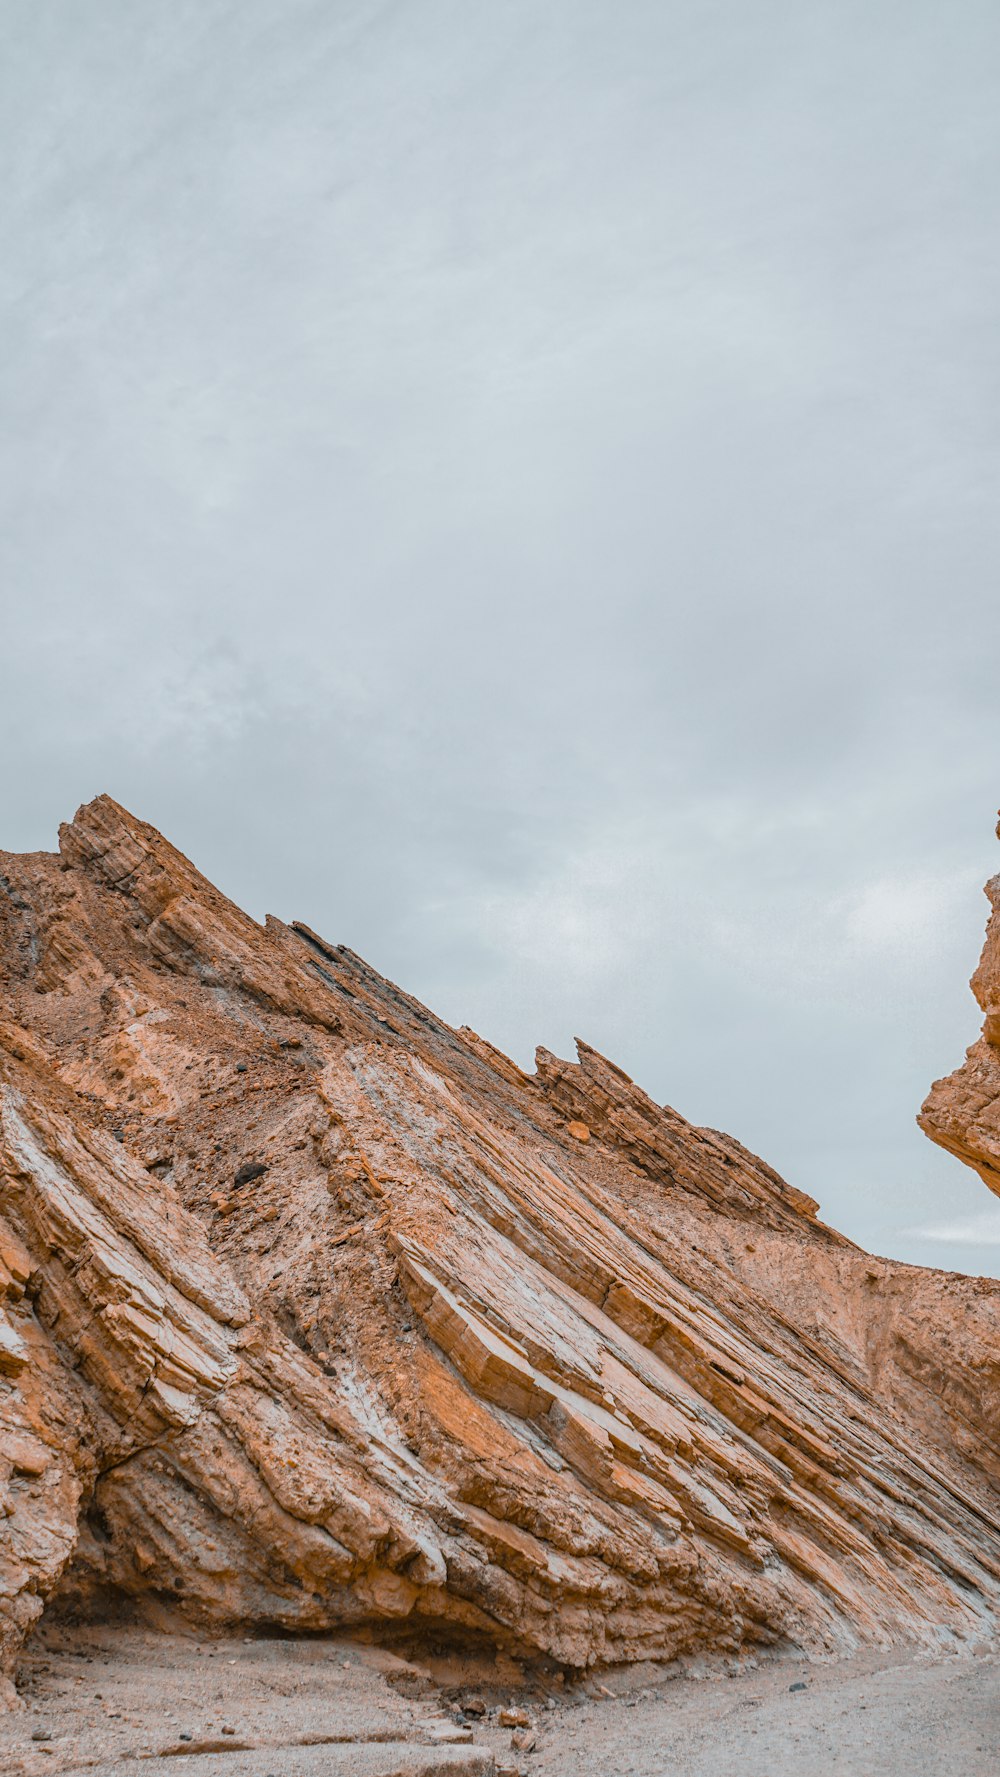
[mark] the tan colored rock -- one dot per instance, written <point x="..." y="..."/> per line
<point x="315" y="1311"/>
<point x="962" y="1112"/>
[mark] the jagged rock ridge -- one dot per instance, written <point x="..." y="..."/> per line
<point x="316" y="1311"/>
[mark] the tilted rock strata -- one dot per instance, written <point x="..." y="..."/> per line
<point x="316" y="1311"/>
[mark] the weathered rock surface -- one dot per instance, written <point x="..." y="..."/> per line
<point x="315" y="1311"/>
<point x="962" y="1112"/>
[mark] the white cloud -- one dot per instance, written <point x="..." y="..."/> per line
<point x="974" y="1230"/>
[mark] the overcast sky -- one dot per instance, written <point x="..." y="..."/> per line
<point x="515" y="485"/>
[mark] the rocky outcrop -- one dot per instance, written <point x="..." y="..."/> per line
<point x="962" y="1112"/>
<point x="316" y="1311"/>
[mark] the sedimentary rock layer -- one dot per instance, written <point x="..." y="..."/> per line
<point x="317" y="1311"/>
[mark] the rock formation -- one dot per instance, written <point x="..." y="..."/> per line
<point x="962" y="1113"/>
<point x="315" y="1311"/>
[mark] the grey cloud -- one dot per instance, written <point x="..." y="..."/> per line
<point x="514" y="486"/>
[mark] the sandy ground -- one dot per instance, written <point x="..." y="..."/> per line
<point x="108" y="1700"/>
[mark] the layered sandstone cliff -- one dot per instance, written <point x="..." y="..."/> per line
<point x="316" y="1311"/>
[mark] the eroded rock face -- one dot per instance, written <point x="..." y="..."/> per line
<point x="315" y="1311"/>
<point x="962" y="1112"/>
